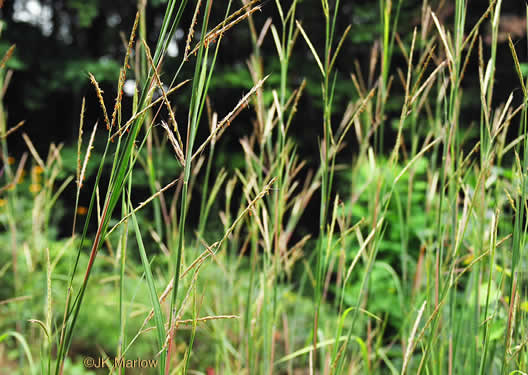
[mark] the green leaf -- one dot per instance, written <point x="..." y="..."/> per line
<point x="87" y="11"/>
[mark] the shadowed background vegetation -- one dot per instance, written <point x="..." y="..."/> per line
<point x="369" y="204"/>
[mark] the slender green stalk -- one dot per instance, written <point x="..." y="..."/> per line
<point x="198" y="95"/>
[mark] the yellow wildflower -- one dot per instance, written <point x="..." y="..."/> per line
<point x="37" y="169"/>
<point x="468" y="259"/>
<point x="81" y="210"/>
<point x="34" y="188"/>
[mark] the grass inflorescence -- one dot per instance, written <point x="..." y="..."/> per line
<point x="416" y="265"/>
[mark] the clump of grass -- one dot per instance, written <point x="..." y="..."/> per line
<point x="430" y="221"/>
<point x="126" y="156"/>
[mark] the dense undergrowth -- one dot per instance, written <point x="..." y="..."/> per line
<point x="416" y="265"/>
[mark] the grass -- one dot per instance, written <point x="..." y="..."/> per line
<point x="417" y="263"/>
